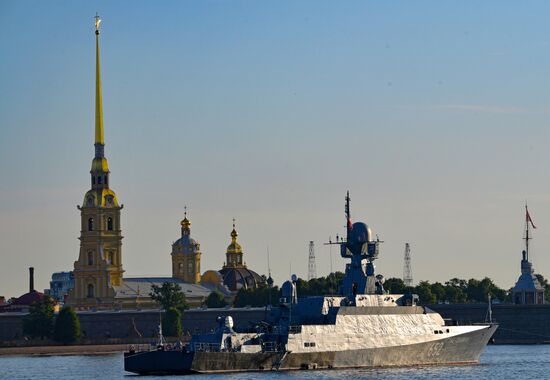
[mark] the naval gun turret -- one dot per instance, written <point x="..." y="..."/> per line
<point x="362" y="249"/>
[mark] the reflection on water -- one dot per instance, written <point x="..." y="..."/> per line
<point x="498" y="362"/>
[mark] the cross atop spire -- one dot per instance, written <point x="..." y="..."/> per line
<point x="97" y="21"/>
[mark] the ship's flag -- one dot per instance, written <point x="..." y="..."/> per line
<point x="528" y="218"/>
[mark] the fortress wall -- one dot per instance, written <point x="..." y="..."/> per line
<point x="119" y="324"/>
<point x="518" y="324"/>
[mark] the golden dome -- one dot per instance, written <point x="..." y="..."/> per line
<point x="234" y="247"/>
<point x="185" y="223"/>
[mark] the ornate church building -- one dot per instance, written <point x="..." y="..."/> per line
<point x="99" y="265"/>
<point x="234" y="274"/>
<point x="98" y="280"/>
<point x="186" y="255"/>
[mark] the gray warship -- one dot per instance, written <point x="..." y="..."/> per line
<point x="362" y="327"/>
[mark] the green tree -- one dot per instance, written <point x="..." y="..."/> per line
<point x="321" y="286"/>
<point x="458" y="283"/>
<point x="256" y="297"/>
<point x="215" y="300"/>
<point x="424" y="291"/>
<point x="39" y="322"/>
<point x="67" y="326"/>
<point x="171" y="322"/>
<point x="478" y="291"/>
<point x="438" y="291"/>
<point x="454" y="294"/>
<point x="395" y="286"/>
<point x="169" y="295"/>
<point x="544" y="283"/>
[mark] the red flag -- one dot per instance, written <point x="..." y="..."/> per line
<point x="528" y="217"/>
<point x="350" y="225"/>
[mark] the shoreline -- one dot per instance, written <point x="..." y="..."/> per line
<point x="88" y="349"/>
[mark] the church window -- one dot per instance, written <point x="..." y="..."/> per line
<point x="109" y="224"/>
<point x="90" y="224"/>
<point x="99" y="180"/>
<point x="90" y="290"/>
<point x="90" y="201"/>
<point x="90" y="258"/>
<point x="93" y="180"/>
<point x="111" y="258"/>
<point x="190" y="267"/>
<point x="106" y="180"/>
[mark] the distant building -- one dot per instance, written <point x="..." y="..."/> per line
<point x="234" y="274"/>
<point x="98" y="273"/>
<point x="186" y="255"/>
<point x="22" y="303"/>
<point x="528" y="290"/>
<point x="99" y="266"/>
<point x="60" y="285"/>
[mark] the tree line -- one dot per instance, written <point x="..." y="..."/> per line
<point x="42" y="323"/>
<point x="453" y="291"/>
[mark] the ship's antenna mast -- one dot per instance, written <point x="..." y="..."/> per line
<point x="330" y="252"/>
<point x="268" y="263"/>
<point x="312" y="271"/>
<point x="407" y="272"/>
<point x="349" y="225"/>
<point x="269" y="279"/>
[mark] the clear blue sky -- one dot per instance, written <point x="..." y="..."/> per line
<point x="435" y="115"/>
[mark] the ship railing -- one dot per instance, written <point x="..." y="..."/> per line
<point x="139" y="347"/>
<point x="206" y="347"/>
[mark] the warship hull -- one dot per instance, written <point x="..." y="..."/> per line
<point x="459" y="349"/>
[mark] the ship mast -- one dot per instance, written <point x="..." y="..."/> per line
<point x="349" y="225"/>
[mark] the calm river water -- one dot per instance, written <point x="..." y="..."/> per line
<point x="498" y="362"/>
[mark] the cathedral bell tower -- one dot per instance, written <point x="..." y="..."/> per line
<point x="186" y="255"/>
<point x="234" y="254"/>
<point x="99" y="265"/>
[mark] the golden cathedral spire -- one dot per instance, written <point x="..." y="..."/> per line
<point x="98" y="96"/>
<point x="185" y="223"/>
<point x="234" y="233"/>
<point x="99" y="163"/>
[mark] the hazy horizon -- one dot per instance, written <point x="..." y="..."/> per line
<point x="433" y="115"/>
